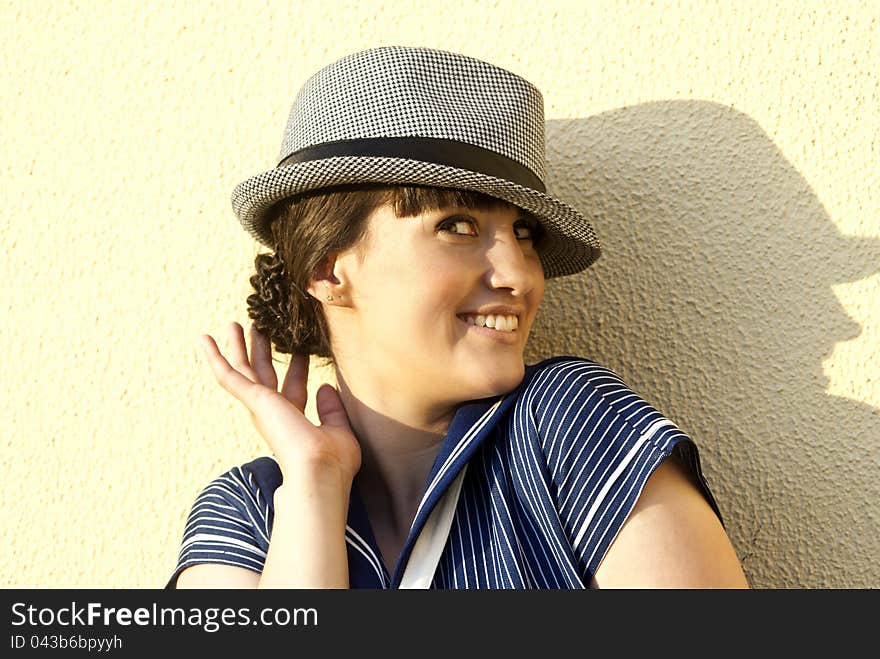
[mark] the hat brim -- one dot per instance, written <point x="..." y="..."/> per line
<point x="570" y="243"/>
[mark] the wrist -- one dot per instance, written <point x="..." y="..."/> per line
<point x="327" y="489"/>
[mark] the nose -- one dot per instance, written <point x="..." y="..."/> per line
<point x="510" y="266"/>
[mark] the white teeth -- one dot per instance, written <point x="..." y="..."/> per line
<point x="498" y="322"/>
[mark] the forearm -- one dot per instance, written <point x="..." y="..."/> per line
<point x="307" y="545"/>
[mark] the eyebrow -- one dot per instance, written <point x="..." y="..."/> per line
<point x="522" y="215"/>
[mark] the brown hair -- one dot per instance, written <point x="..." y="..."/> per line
<point x="306" y="229"/>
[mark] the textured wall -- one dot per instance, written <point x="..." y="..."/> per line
<point x="731" y="156"/>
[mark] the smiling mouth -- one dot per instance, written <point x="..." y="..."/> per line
<point x="498" y="323"/>
<point x="510" y="337"/>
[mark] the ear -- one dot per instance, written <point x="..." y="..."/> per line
<point x="330" y="280"/>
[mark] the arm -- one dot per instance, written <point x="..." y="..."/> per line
<point x="318" y="464"/>
<point x="671" y="539"/>
<point x="210" y="575"/>
<point x="307" y="548"/>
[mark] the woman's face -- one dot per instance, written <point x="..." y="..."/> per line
<point x="404" y="313"/>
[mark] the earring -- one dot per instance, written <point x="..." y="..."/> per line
<point x="329" y="298"/>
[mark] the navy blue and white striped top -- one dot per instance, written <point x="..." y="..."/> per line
<point x="554" y="468"/>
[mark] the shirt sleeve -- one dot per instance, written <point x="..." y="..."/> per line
<point x="229" y="524"/>
<point x="602" y="442"/>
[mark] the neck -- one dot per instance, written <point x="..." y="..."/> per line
<point x="399" y="441"/>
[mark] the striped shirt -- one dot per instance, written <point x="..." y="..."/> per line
<point x="554" y="468"/>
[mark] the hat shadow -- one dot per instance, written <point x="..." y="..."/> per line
<point x="713" y="300"/>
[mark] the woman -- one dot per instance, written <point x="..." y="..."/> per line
<point x="412" y="238"/>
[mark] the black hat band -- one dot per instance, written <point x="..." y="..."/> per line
<point x="427" y="149"/>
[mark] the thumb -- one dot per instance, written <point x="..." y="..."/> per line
<point x="330" y="409"/>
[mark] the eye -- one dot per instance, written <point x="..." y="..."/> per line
<point x="456" y="222"/>
<point x="532" y="227"/>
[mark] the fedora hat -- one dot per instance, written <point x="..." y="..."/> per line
<point x="420" y="116"/>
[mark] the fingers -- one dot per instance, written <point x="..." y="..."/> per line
<point x="331" y="412"/>
<point x="261" y="359"/>
<point x="229" y="378"/>
<point x="258" y="368"/>
<point x="296" y="380"/>
<point x="238" y="357"/>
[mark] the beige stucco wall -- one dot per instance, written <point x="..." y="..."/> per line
<point x="732" y="155"/>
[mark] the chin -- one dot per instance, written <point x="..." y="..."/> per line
<point x="501" y="380"/>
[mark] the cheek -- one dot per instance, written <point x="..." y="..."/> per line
<point x="538" y="292"/>
<point x="446" y="296"/>
<point x="439" y="286"/>
<point x="426" y="294"/>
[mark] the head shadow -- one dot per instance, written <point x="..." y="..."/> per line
<point x="713" y="300"/>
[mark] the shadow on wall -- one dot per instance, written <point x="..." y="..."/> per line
<point x="713" y="300"/>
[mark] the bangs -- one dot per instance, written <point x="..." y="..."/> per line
<point x="405" y="200"/>
<point x="409" y="201"/>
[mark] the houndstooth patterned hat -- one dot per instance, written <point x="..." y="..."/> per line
<point x="401" y="115"/>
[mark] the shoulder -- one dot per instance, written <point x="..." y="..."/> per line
<point x="567" y="393"/>
<point x="601" y="441"/>
<point x="671" y="539"/>
<point x="248" y="483"/>
<point x="564" y="377"/>
<point x="230" y="521"/>
<point x="589" y="422"/>
<point x="239" y="501"/>
<point x="262" y="474"/>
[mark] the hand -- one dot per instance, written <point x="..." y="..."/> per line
<point x="279" y="417"/>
